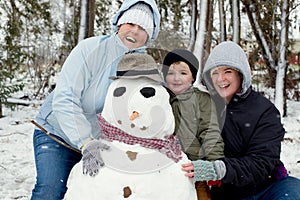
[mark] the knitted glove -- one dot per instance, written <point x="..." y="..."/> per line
<point x="207" y="170"/>
<point x="91" y="157"/>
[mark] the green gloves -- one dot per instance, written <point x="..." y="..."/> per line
<point x="91" y="157"/>
<point x="208" y="170"/>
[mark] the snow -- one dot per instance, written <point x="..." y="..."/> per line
<point x="17" y="169"/>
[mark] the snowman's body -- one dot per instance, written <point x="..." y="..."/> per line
<point x="132" y="171"/>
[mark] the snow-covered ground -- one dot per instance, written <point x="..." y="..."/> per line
<point x="17" y="169"/>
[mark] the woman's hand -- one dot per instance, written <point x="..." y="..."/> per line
<point x="189" y="169"/>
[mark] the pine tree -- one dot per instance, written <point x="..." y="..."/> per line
<point x="23" y="24"/>
<point x="11" y="55"/>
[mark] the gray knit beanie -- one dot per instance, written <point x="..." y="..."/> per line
<point x="140" y="14"/>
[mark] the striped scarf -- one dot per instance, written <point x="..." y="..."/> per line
<point x="170" y="146"/>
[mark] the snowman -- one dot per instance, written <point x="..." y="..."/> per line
<point x="144" y="159"/>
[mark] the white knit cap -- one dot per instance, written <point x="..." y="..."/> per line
<point x="139" y="14"/>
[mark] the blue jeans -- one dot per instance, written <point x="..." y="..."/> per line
<point x="285" y="189"/>
<point x="54" y="163"/>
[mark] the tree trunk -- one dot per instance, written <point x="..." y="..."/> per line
<point x="270" y="62"/>
<point x="209" y="37"/>
<point x="222" y="16"/>
<point x="193" y="25"/>
<point x="91" y="18"/>
<point x="282" y="64"/>
<point x="87" y="16"/>
<point x="201" y="34"/>
<point x="236" y="21"/>
<point x="251" y="12"/>
<point x="1" y="112"/>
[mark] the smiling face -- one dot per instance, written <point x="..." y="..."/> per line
<point x="227" y="81"/>
<point x="132" y="35"/>
<point x="179" y="77"/>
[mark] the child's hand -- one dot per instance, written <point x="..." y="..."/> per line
<point x="189" y="168"/>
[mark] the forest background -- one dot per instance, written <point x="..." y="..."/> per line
<point x="37" y="36"/>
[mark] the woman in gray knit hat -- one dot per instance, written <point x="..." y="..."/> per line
<point x="252" y="134"/>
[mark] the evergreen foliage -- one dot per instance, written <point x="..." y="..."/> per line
<point x="37" y="36"/>
<point x="23" y="28"/>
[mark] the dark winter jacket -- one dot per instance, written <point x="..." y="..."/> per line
<point x="252" y="131"/>
<point x="196" y="125"/>
<point x="252" y="134"/>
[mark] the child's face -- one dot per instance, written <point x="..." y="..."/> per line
<point x="132" y="35"/>
<point x="179" y="77"/>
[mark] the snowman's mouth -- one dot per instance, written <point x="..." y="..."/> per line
<point x="143" y="128"/>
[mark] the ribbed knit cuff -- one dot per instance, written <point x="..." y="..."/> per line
<point x="204" y="170"/>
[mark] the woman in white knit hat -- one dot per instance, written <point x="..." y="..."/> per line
<point x="139" y="17"/>
<point x="68" y="114"/>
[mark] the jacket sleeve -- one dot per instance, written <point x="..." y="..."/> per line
<point x="262" y="149"/>
<point x="212" y="146"/>
<point x="67" y="107"/>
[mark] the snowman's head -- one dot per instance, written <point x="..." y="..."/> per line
<point x="136" y="101"/>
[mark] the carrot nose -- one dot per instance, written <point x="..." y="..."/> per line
<point x="134" y="115"/>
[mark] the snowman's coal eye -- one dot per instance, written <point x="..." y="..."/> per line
<point x="119" y="91"/>
<point x="147" y="92"/>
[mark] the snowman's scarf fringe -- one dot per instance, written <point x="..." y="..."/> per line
<point x="169" y="146"/>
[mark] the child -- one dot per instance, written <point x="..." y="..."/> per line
<point x="196" y="122"/>
<point x="69" y="112"/>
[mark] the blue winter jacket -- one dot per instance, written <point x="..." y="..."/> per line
<point x="69" y="112"/>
